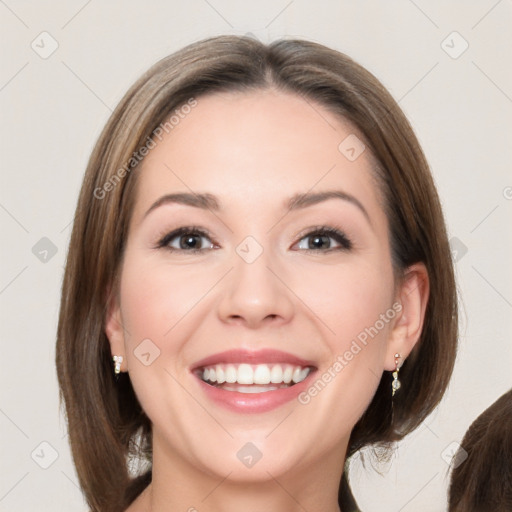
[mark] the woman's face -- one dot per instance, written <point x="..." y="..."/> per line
<point x="250" y="273"/>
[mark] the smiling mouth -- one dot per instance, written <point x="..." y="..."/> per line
<point x="258" y="378"/>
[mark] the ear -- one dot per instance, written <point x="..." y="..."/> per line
<point x="114" y="327"/>
<point x="412" y="295"/>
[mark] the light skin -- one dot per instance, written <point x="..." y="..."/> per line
<point x="254" y="151"/>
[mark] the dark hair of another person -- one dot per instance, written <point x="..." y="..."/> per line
<point x="483" y="482"/>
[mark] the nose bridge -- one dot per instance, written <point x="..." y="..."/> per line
<point x="253" y="293"/>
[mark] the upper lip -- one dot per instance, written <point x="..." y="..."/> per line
<point x="261" y="356"/>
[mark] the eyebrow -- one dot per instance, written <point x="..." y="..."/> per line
<point x="210" y="202"/>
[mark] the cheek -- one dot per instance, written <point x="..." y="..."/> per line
<point x="345" y="303"/>
<point x="156" y="298"/>
<point x="355" y="306"/>
<point x="347" y="297"/>
<point x="158" y="303"/>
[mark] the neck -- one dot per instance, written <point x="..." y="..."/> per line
<point x="178" y="485"/>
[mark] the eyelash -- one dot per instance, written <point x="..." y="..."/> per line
<point x="335" y="233"/>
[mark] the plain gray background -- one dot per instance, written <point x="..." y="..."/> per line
<point x="53" y="106"/>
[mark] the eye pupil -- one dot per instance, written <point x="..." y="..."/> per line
<point x="318" y="241"/>
<point x="189" y="241"/>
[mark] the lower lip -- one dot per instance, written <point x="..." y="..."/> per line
<point x="253" y="402"/>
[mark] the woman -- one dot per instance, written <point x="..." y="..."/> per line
<point x="258" y="284"/>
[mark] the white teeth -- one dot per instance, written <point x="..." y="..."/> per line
<point x="231" y="374"/>
<point x="250" y="389"/>
<point x="287" y="375"/>
<point x="245" y="374"/>
<point x="276" y="375"/>
<point x="261" y="374"/>
<point x="220" y="374"/>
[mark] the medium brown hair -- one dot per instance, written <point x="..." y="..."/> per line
<point x="106" y="422"/>
<point x="483" y="481"/>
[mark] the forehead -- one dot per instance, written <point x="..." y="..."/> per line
<point x="256" y="148"/>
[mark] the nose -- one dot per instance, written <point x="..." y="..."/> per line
<point x="255" y="294"/>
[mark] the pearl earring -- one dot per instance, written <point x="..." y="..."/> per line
<point x="396" y="384"/>
<point x="117" y="360"/>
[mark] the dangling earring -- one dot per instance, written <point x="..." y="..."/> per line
<point x="395" y="385"/>
<point x="117" y="368"/>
